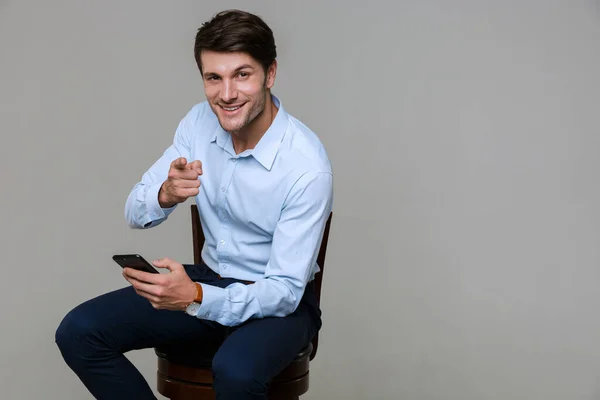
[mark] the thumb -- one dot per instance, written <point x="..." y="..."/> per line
<point x="167" y="263"/>
<point x="179" y="163"/>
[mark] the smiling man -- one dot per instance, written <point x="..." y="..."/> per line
<point x="264" y="186"/>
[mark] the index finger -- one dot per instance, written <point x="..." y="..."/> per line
<point x="143" y="276"/>
<point x="179" y="163"/>
<point x="197" y="164"/>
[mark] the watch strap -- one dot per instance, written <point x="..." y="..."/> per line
<point x="198" y="298"/>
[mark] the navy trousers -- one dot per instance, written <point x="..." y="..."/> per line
<point x="94" y="336"/>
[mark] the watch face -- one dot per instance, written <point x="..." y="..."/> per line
<point x="192" y="309"/>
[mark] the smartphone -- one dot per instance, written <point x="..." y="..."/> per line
<point x="134" y="261"/>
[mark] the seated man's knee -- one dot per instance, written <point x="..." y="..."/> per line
<point x="76" y="332"/>
<point x="233" y="375"/>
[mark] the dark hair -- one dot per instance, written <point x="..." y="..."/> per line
<point x="237" y="31"/>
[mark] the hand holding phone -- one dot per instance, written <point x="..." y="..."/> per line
<point x="134" y="261"/>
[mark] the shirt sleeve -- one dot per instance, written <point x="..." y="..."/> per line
<point x="142" y="209"/>
<point x="294" y="250"/>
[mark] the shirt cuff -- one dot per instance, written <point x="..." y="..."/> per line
<point x="155" y="211"/>
<point x="213" y="298"/>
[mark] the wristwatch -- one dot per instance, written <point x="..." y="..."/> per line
<point x="192" y="308"/>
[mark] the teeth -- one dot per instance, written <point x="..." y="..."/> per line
<point x="230" y="109"/>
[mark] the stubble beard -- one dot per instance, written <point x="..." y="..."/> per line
<point x="254" y="112"/>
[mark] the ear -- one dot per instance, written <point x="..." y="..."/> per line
<point x="271" y="74"/>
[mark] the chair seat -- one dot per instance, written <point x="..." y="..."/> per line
<point x="185" y="372"/>
<point x="197" y="354"/>
<point x="200" y="355"/>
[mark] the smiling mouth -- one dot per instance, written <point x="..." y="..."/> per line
<point x="232" y="109"/>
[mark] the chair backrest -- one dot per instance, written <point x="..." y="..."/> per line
<point x="198" y="243"/>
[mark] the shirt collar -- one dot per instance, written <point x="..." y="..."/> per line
<point x="220" y="136"/>
<point x="266" y="149"/>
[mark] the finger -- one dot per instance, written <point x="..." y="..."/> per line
<point x="184" y="194"/>
<point x="185" y="174"/>
<point x="147" y="291"/>
<point x="162" y="262"/>
<point x="127" y="278"/>
<point x="195" y="165"/>
<point x="143" y="276"/>
<point x="186" y="184"/>
<point x="126" y="273"/>
<point x="155" y="291"/>
<point x="167" y="263"/>
<point x="179" y="163"/>
<point x="134" y="282"/>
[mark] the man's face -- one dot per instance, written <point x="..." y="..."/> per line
<point x="235" y="87"/>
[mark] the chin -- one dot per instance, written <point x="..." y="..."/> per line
<point x="231" y="126"/>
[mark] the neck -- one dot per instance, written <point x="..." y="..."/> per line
<point x="249" y="136"/>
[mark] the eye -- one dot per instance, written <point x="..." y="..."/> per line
<point x="212" y="78"/>
<point x="243" y="74"/>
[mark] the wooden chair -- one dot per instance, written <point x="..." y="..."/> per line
<point x="184" y="371"/>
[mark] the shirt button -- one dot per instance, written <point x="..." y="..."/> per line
<point x="222" y="242"/>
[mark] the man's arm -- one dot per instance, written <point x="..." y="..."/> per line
<point x="142" y="208"/>
<point x="296" y="242"/>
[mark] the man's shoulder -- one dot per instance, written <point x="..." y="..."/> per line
<point x="305" y="147"/>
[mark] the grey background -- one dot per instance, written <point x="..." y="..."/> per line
<point x="464" y="253"/>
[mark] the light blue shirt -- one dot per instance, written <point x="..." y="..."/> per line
<point x="263" y="211"/>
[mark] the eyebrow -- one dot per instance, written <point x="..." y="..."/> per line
<point x="238" y="69"/>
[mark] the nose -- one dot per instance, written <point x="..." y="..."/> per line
<point x="228" y="91"/>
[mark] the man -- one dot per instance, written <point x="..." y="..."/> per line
<point x="264" y="186"/>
